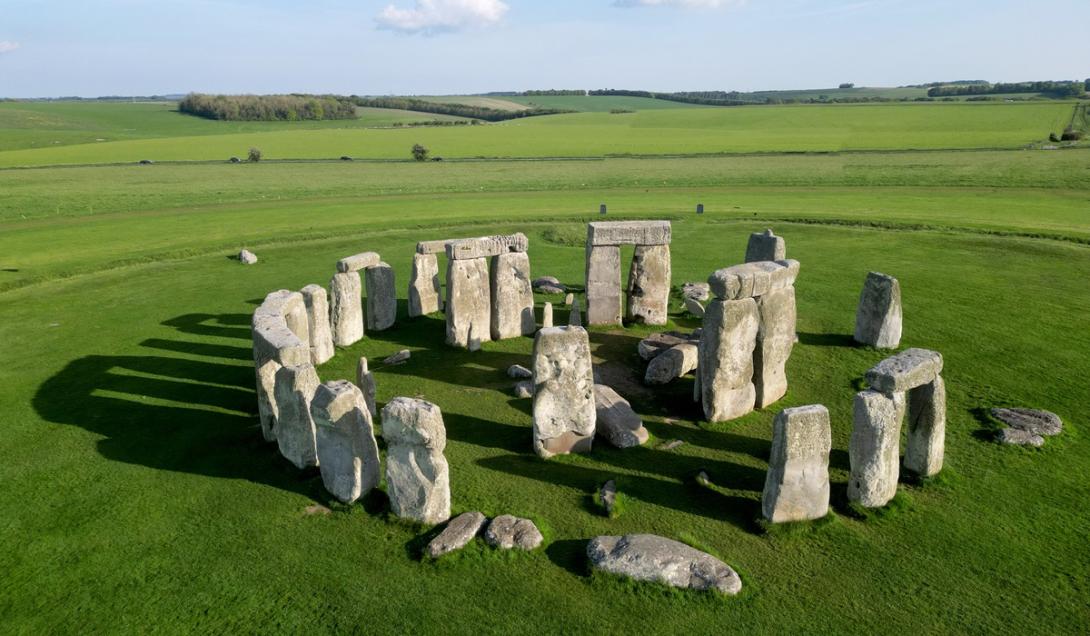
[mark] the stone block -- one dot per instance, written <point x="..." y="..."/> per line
<point x="775" y="339"/>
<point x="356" y="262"/>
<point x="726" y="358"/>
<point x="765" y="246"/>
<point x="321" y="334"/>
<point x="926" y="428"/>
<point x="346" y="308"/>
<point x="616" y="422"/>
<point x="874" y="451"/>
<point x="468" y="306"/>
<point x="564" y="413"/>
<point x="512" y="296"/>
<point x="486" y="246"/>
<point x="424" y="286"/>
<point x="345" y="440"/>
<point x="603" y="289"/>
<point x="294" y="389"/>
<point x="628" y="233"/>
<point x="878" y="317"/>
<point x="906" y="370"/>
<point x="750" y="280"/>
<point x="381" y="297"/>
<point x="417" y="475"/>
<point x="648" y="297"/>
<point x="797" y="482"/>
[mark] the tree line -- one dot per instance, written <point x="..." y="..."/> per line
<point x="458" y="110"/>
<point x="294" y="107"/>
<point x="1052" y="88"/>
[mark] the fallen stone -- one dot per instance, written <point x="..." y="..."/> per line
<point x="424" y="286"/>
<point x="797" y="481"/>
<point x="616" y="422"/>
<point x="399" y="357"/>
<point x="726" y="359"/>
<point x="775" y="339"/>
<point x="656" y="343"/>
<point x="670" y="445"/>
<point x="345" y="436"/>
<point x="672" y="364"/>
<point x="317" y="509"/>
<point x="906" y="370"/>
<point x="694" y="308"/>
<point x="356" y="262"/>
<point x="603" y="284"/>
<point x="696" y="291"/>
<point x="648" y="557"/>
<point x="1019" y="437"/>
<point x="246" y="257"/>
<point x="469" y="305"/>
<point x="417" y="475"/>
<point x="321" y="333"/>
<point x="295" y="387"/>
<point x="628" y="233"/>
<point x="518" y="371"/>
<point x="524" y="389"/>
<point x="365" y="380"/>
<point x="485" y="246"/>
<point x="607" y="494"/>
<point x="750" y="280"/>
<point x="457" y="535"/>
<point x="507" y="532"/>
<point x="765" y="246"/>
<point x="512" y="296"/>
<point x="544" y="281"/>
<point x="564" y="413"/>
<point x="1037" y="422"/>
<point x="878" y="317"/>
<point x="874" y="450"/>
<point x="648" y="297"/>
<point x="346" y="308"/>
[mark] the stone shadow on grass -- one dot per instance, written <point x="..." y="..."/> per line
<point x="827" y="339"/>
<point x="571" y="555"/>
<point x="226" y="325"/>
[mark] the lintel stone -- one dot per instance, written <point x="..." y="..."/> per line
<point x="628" y="233"/>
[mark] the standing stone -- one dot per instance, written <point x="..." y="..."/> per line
<point x="417" y="476"/>
<point x="266" y="398"/>
<point x="365" y="380"/>
<point x="575" y="316"/>
<point x="346" y="309"/>
<point x="280" y="333"/>
<point x="468" y="307"/>
<point x="295" y="387"/>
<point x="673" y="363"/>
<point x="874" y="452"/>
<point x="616" y="422"/>
<point x="878" y="319"/>
<point x="726" y="358"/>
<point x="345" y="440"/>
<point x="797" y="482"/>
<point x="775" y="339"/>
<point x="424" y="285"/>
<point x="321" y="336"/>
<point x="547" y="315"/>
<point x="564" y="413"/>
<point x="765" y="246"/>
<point x="926" y="428"/>
<point x="512" y="296"/>
<point x="603" y="290"/>
<point x="569" y="298"/>
<point x="649" y="285"/>
<point x="381" y="297"/>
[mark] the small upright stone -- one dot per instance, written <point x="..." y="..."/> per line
<point x="878" y="318"/>
<point x="424" y="286"/>
<point x="321" y="334"/>
<point x="345" y="439"/>
<point x="507" y="532"/>
<point x="417" y="476"/>
<point x="547" y="315"/>
<point x="457" y="535"/>
<point x="569" y="299"/>
<point x="346" y="309"/>
<point x="797" y="482"/>
<point x="874" y="452"/>
<point x="381" y="297"/>
<point x="607" y="494"/>
<point x="575" y="316"/>
<point x="246" y="257"/>
<point x="295" y="387"/>
<point x="765" y="246"/>
<point x="365" y="380"/>
<point x="564" y="413"/>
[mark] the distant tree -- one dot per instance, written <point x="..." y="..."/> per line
<point x="846" y="85"/>
<point x="420" y="153"/>
<point x="254" y="155"/>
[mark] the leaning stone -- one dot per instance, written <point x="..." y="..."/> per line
<point x="657" y="343"/>
<point x="346" y="309"/>
<point x="694" y="308"/>
<point x="906" y="370"/>
<point x="616" y="422"/>
<point x="518" y="371"/>
<point x="345" y="439"/>
<point x="468" y="307"/>
<point x="295" y="387"/>
<point x="926" y="428"/>
<point x="607" y="494"/>
<point x="356" y="262"/>
<point x="696" y="291"/>
<point x="507" y="532"/>
<point x="524" y="389"/>
<point x="417" y="476"/>
<point x="1042" y="423"/>
<point x="775" y="339"/>
<point x="628" y="233"/>
<point x="381" y="297"/>
<point x="321" y="335"/>
<point x="365" y="380"/>
<point x="765" y="246"/>
<point x="878" y="318"/>
<point x="457" y="535"/>
<point x="750" y="280"/>
<point x="874" y="452"/>
<point x="424" y="286"/>
<point x="648" y="557"/>
<point x="797" y="481"/>
<point x="512" y="296"/>
<point x="399" y="357"/>
<point x="648" y="297"/>
<point x="563" y="413"/>
<point x="726" y="359"/>
<point x="547" y="315"/>
<point x="246" y="257"/>
<point x="672" y="364"/>
<point x="603" y="284"/>
<point x="485" y="246"/>
<point x="575" y="316"/>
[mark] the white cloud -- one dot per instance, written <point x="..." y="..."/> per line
<point x="685" y="4"/>
<point x="8" y="47"/>
<point x="441" y="16"/>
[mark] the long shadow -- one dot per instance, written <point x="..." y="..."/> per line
<point x="827" y="339"/>
<point x="227" y="325"/>
<point x="200" y="348"/>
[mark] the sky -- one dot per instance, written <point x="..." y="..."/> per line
<point x="146" y="47"/>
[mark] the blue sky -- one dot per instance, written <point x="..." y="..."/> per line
<point x="103" y="47"/>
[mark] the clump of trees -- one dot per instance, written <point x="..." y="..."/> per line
<point x="458" y="110"/>
<point x="1052" y="88"/>
<point x="254" y="155"/>
<point x="420" y="153"/>
<point x="846" y="85"/>
<point x="294" y="107"/>
<point x="551" y="92"/>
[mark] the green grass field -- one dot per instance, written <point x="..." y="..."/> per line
<point x="139" y="496"/>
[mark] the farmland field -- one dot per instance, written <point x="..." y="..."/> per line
<point x="139" y="497"/>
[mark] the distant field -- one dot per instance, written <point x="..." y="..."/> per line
<point x="498" y="103"/>
<point x="601" y="103"/>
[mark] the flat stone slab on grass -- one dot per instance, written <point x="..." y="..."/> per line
<point x="1027" y="427"/>
<point x="648" y="557"/>
<point x="906" y="370"/>
<point x="457" y="535"/>
<point x="507" y="532"/>
<point x="617" y="423"/>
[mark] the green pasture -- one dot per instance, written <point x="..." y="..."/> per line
<point x="600" y="103"/>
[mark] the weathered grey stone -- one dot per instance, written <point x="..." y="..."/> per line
<point x="524" y="389"/>
<point x="672" y="364"/>
<point x="607" y="494"/>
<point x="266" y="397"/>
<point x="696" y="291"/>
<point x="518" y="371"/>
<point x="657" y="343"/>
<point x="750" y="280"/>
<point x="547" y="315"/>
<point x="246" y="257"/>
<point x="280" y="329"/>
<point x="321" y="335"/>
<point x="694" y="308"/>
<point x="648" y="557"/>
<point x="345" y="440"/>
<point x="775" y="339"/>
<point x="628" y="233"/>
<point x="468" y="307"/>
<point x="365" y="380"/>
<point x="356" y="262"/>
<point x="485" y="246"/>
<point x="765" y="246"/>
<point x="603" y="289"/>
<point x="457" y="535"/>
<point x="1037" y="422"/>
<point x="926" y="428"/>
<point x="726" y="358"/>
<point x="507" y="532"/>
<point x="575" y="315"/>
<point x="878" y="318"/>
<point x="432" y="247"/>
<point x="417" y="476"/>
<point x="1020" y="437"/>
<point x="512" y="296"/>
<point x="564" y="413"/>
<point x="295" y="387"/>
<point x="906" y="370"/>
<point x="546" y="281"/>
<point x="399" y="357"/>
<point x="874" y="453"/>
<point x="346" y="308"/>
<point x="670" y="444"/>
<point x="648" y="297"/>
<point x="797" y="482"/>
<point x="381" y="297"/>
<point x="424" y="286"/>
<point x="616" y="422"/>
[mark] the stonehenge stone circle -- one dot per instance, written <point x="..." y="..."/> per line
<point x="356" y="262"/>
<point x="765" y="246"/>
<point x="726" y="358"/>
<point x="468" y="306"/>
<point x="874" y="451"/>
<point x="417" y="476"/>
<point x="424" y="286"/>
<point x="673" y="363"/>
<point x="616" y="422"/>
<point x="512" y="296"/>
<point x="507" y="532"/>
<point x="797" y="482"/>
<point x="321" y="334"/>
<point x="457" y="535"/>
<point x="564" y="413"/>
<point x="878" y="318"/>
<point x="365" y="380"/>
<point x="295" y="387"/>
<point x="345" y="308"/>
<point x="649" y="281"/>
<point x="648" y="557"/>
<point x="345" y="436"/>
<point x="381" y="297"/>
